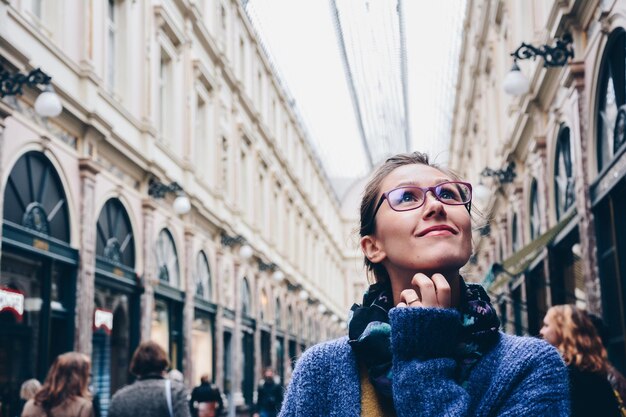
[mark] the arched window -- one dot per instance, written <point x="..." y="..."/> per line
<point x="115" y="241"/>
<point x="290" y="319"/>
<point x="246" y="309"/>
<point x="278" y="313"/>
<point x="563" y="173"/>
<point x="535" y="216"/>
<point x="203" y="277"/>
<point x="611" y="110"/>
<point x="34" y="197"/>
<point x="264" y="305"/>
<point x="167" y="259"/>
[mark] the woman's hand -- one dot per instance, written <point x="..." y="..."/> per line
<point x="426" y="292"/>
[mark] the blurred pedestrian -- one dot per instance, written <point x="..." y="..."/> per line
<point x="65" y="392"/>
<point x="615" y="377"/>
<point x="27" y="391"/>
<point x="571" y="331"/>
<point x="176" y="375"/>
<point x="151" y="395"/>
<point x="206" y="399"/>
<point x="269" y="395"/>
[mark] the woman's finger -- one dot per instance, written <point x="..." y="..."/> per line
<point x="409" y="296"/>
<point x="401" y="304"/>
<point x="443" y="290"/>
<point x="427" y="290"/>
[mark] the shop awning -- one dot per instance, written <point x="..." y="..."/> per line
<point x="519" y="261"/>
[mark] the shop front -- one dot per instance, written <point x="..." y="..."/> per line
<point x="37" y="277"/>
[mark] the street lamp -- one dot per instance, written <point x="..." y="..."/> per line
<point x="515" y="83"/>
<point x="11" y="84"/>
<point x="157" y="189"/>
<point x="504" y="176"/>
<point x="277" y="274"/>
<point x="245" y="251"/>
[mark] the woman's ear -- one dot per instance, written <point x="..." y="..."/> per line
<point x="372" y="249"/>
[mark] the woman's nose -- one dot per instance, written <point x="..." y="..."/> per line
<point x="432" y="205"/>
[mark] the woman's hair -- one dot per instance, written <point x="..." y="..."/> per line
<point x="578" y="339"/>
<point x="29" y="388"/>
<point x="149" y="358"/>
<point x="371" y="198"/>
<point x="67" y="378"/>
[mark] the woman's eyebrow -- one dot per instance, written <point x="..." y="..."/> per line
<point x="417" y="184"/>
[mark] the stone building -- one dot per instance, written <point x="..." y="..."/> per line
<point x="552" y="233"/>
<point x="164" y="103"/>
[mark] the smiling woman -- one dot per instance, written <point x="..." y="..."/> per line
<point x="424" y="342"/>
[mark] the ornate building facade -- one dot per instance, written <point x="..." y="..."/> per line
<point x="156" y="93"/>
<point x="552" y="233"/>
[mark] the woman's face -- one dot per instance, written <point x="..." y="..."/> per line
<point x="549" y="331"/>
<point x="405" y="238"/>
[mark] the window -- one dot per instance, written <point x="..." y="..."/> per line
<point x="563" y="173"/>
<point x="167" y="259"/>
<point x="535" y="216"/>
<point x="611" y="110"/>
<point x="165" y="94"/>
<point x="246" y="308"/>
<point x="200" y="134"/>
<point x="515" y="243"/>
<point x="111" y="26"/>
<point x="36" y="7"/>
<point x="278" y="314"/>
<point x="203" y="277"/>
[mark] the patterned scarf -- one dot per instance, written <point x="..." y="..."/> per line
<point x="369" y="332"/>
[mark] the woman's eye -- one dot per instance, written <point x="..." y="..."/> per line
<point x="407" y="197"/>
<point x="448" y="194"/>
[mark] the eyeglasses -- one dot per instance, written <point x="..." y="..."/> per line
<point x="452" y="193"/>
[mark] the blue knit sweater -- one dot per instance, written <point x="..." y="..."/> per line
<point x="518" y="377"/>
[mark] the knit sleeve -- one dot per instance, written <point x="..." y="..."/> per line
<point x="423" y="341"/>
<point x="180" y="405"/>
<point x="306" y="394"/>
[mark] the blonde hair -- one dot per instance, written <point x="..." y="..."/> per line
<point x="578" y="339"/>
<point x="29" y="388"/>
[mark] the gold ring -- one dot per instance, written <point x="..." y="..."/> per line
<point x="412" y="301"/>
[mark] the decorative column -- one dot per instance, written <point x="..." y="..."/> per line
<point x="85" y="283"/>
<point x="236" y="342"/>
<point x="5" y="111"/>
<point x="219" y="320"/>
<point x="586" y="226"/>
<point x="188" y="308"/>
<point x="149" y="269"/>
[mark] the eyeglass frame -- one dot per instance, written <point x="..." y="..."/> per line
<point x="425" y="190"/>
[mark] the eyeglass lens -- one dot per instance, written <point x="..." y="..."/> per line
<point x="406" y="198"/>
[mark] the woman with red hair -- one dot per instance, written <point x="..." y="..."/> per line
<point x="65" y="392"/>
<point x="572" y="332"/>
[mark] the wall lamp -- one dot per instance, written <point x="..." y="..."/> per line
<point x="504" y="176"/>
<point x="277" y="274"/>
<point x="245" y="251"/>
<point x="515" y="83"/>
<point x="11" y="84"/>
<point x="156" y="189"/>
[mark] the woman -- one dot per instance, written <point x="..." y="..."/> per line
<point x="424" y="343"/>
<point x="572" y="332"/>
<point x="28" y="389"/>
<point x="65" y="392"/>
<point x="151" y="395"/>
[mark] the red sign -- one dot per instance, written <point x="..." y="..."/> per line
<point x="13" y="301"/>
<point x="103" y="319"/>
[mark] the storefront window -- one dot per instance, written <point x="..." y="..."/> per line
<point x="535" y="217"/>
<point x="161" y="325"/>
<point x="246" y="309"/>
<point x="202" y="346"/>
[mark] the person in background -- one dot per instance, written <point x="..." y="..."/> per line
<point x="27" y="391"/>
<point x="424" y="342"/>
<point x="206" y="399"/>
<point x="65" y="392"/>
<point x="269" y="396"/>
<point x="151" y="395"/>
<point x="571" y="331"/>
<point x="615" y="377"/>
<point x="176" y="375"/>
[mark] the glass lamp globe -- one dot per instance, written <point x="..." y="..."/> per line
<point x="334" y="318"/>
<point x="321" y="308"/>
<point x="304" y="295"/>
<point x="515" y="83"/>
<point x="182" y="205"/>
<point x="48" y="103"/>
<point x="278" y="276"/>
<point x="246" y="252"/>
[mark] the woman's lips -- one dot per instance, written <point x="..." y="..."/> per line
<point x="440" y="230"/>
